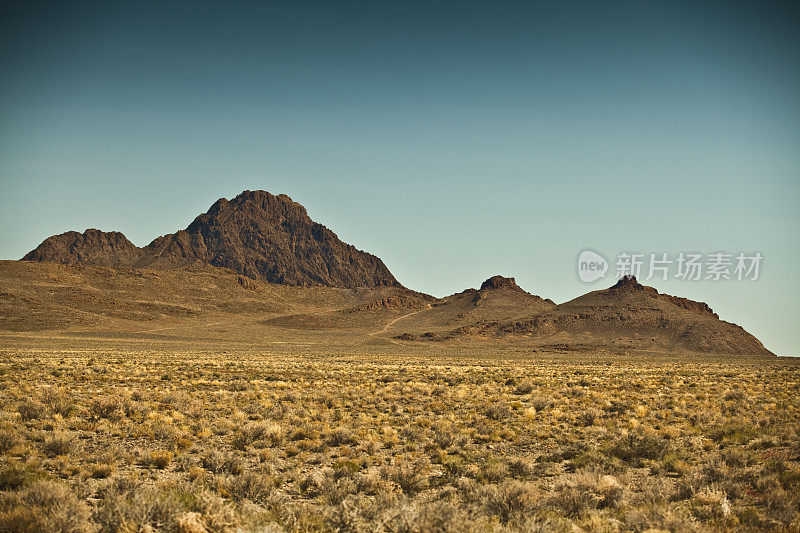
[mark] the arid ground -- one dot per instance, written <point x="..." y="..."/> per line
<point x="159" y="431"/>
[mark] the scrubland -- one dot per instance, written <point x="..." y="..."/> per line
<point x="190" y="439"/>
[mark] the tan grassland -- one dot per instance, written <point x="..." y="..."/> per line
<point x="152" y="432"/>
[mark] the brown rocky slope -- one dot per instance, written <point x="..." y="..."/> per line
<point x="258" y="237"/>
<point x="92" y="247"/>
<point x="256" y="234"/>
<point x="499" y="299"/>
<point x="626" y="315"/>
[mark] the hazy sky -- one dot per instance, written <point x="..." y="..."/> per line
<point x="454" y="140"/>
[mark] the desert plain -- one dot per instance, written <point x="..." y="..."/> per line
<point x="194" y="400"/>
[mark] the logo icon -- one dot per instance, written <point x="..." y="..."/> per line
<point x="591" y="266"/>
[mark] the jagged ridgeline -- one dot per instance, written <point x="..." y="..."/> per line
<point x="256" y="234"/>
<point x="266" y="238"/>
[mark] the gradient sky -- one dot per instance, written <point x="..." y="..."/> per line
<point x="455" y="140"/>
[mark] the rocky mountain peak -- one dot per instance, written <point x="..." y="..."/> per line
<point x="257" y="234"/>
<point x="93" y="246"/>
<point x="628" y="281"/>
<point x="499" y="282"/>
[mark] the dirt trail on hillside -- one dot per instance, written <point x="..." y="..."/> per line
<point x="390" y="323"/>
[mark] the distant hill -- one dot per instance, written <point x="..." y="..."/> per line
<point x="92" y="247"/>
<point x="256" y="234"/>
<point x="251" y="262"/>
<point x="498" y="299"/>
<point x="626" y="315"/>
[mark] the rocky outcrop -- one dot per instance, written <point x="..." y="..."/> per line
<point x="92" y="247"/>
<point x="257" y="234"/>
<point x="499" y="282"/>
<point x="626" y="314"/>
<point x="391" y="303"/>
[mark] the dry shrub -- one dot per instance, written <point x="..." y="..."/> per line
<point x="101" y="470"/>
<point x="734" y="432"/>
<point x="261" y="434"/>
<point x="335" y="490"/>
<point x="8" y="439"/>
<point x="494" y="471"/>
<point x="710" y="502"/>
<point x="161" y="458"/>
<point x="273" y="434"/>
<point x="179" y="400"/>
<point x="540" y="403"/>
<point x="735" y="394"/>
<point x="218" y="462"/>
<point x="589" y="416"/>
<point x="610" y="491"/>
<point x="370" y="482"/>
<point x="58" y="401"/>
<point x="524" y="387"/>
<point x="127" y="505"/>
<point x="238" y="385"/>
<point x="110" y="408"/>
<point x="304" y="432"/>
<point x="439" y="516"/>
<point x="30" y="410"/>
<point x="44" y="506"/>
<point x="341" y="437"/>
<point x="15" y="474"/>
<point x="312" y="484"/>
<point x="511" y="502"/>
<point x="578" y="493"/>
<point x="498" y="411"/>
<point x="660" y="518"/>
<point x="59" y="443"/>
<point x="633" y="448"/>
<point x="253" y="486"/>
<point x="410" y="476"/>
<point x="520" y="469"/>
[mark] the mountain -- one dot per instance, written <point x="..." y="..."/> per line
<point x="256" y="234"/>
<point x="92" y="247"/>
<point x="626" y="315"/>
<point x="105" y="281"/>
<point x="499" y="299"/>
<point x="642" y="313"/>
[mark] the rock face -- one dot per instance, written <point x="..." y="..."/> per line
<point x="92" y="247"/>
<point x="643" y="314"/>
<point x="498" y="300"/>
<point x="260" y="236"/>
<point x="256" y="234"/>
<point x="498" y="282"/>
<point x="628" y="314"/>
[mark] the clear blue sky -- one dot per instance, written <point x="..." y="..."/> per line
<point x="455" y="140"/>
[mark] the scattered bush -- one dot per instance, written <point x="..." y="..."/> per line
<point x="218" y="462"/>
<point x="524" y="387"/>
<point x="253" y="486"/>
<point x="510" y="502"/>
<point x="161" y="458"/>
<point x="59" y="443"/>
<point x="634" y="448"/>
<point x="411" y="476"/>
<point x="44" y="506"/>
<point x="30" y="410"/>
<point x="321" y="444"/>
<point x="8" y="439"/>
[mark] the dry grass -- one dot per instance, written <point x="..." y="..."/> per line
<point x="104" y="438"/>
